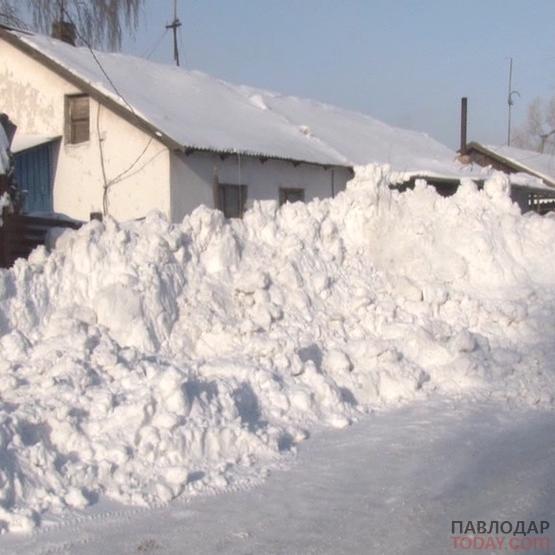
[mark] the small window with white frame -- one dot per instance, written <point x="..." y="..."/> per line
<point x="77" y="113"/>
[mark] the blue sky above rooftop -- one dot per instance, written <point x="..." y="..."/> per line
<point x="406" y="62"/>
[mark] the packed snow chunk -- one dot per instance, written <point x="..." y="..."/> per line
<point x="337" y="361"/>
<point x="498" y="186"/>
<point x="258" y="101"/>
<point x="76" y="499"/>
<point x="143" y="361"/>
<point x="463" y="342"/>
<point x="119" y="308"/>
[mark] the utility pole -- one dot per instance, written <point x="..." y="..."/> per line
<point x="510" y="100"/>
<point x="174" y="25"/>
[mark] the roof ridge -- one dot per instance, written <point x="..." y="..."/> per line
<point x="289" y="121"/>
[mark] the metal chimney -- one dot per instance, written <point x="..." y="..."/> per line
<point x="464" y="106"/>
<point x="64" y="31"/>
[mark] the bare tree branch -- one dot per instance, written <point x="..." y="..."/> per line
<point x="538" y="131"/>
<point x="99" y="22"/>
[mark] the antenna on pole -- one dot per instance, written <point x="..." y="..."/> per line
<point x="174" y="25"/>
<point x="510" y="100"/>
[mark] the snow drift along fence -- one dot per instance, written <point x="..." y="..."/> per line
<point x="20" y="234"/>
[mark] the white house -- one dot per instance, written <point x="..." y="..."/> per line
<point x="105" y="132"/>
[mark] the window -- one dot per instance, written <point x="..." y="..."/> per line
<point x="232" y="200"/>
<point x="77" y="119"/>
<point x="291" y="195"/>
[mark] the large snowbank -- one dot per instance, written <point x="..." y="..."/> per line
<point x="146" y="360"/>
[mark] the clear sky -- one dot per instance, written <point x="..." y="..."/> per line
<point x="406" y="62"/>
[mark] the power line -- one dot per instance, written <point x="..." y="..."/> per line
<point x="95" y="57"/>
<point x="174" y="26"/>
<point x="147" y="54"/>
<point x="119" y="177"/>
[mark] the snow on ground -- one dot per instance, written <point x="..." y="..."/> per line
<point x="389" y="485"/>
<point x="146" y="361"/>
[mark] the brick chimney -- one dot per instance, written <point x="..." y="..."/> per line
<point x="64" y="31"/>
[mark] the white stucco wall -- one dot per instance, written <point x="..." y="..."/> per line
<point x="193" y="177"/>
<point x="33" y="96"/>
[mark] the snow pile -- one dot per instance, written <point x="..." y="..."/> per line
<point x="148" y="360"/>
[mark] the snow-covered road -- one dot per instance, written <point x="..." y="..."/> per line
<point x="392" y="483"/>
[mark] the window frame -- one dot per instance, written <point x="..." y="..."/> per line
<point x="285" y="191"/>
<point x="221" y="198"/>
<point x="71" y="123"/>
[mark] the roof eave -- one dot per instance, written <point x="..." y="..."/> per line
<point x="190" y="149"/>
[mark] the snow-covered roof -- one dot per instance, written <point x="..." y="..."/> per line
<point x="195" y="110"/>
<point x="535" y="163"/>
<point x="25" y="142"/>
<point x="531" y="182"/>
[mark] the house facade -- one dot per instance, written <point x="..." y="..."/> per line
<point x="114" y="134"/>
<point x="36" y="97"/>
<point x="108" y="163"/>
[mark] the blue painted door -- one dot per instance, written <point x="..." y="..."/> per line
<point x="33" y="171"/>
